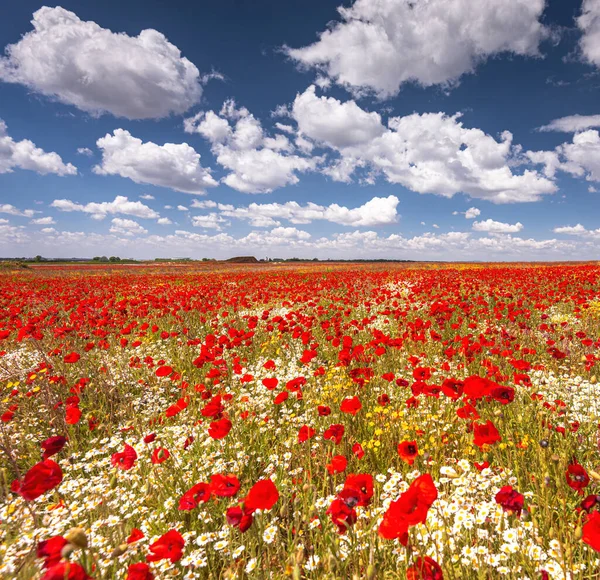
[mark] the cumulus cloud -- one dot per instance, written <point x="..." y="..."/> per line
<point x="375" y="212"/>
<point x="44" y="221"/>
<point x="572" y="123"/>
<point x="164" y="221"/>
<point x="494" y="227"/>
<point x="257" y="163"/>
<point x="126" y="227"/>
<point x="212" y="221"/>
<point x="578" y="230"/>
<point x="427" y="153"/>
<point x="25" y="155"/>
<point x="378" y="46"/>
<point x="173" y="165"/>
<point x="12" y="210"/>
<point x="85" y="151"/>
<point x="82" y="64"/>
<point x="98" y="211"/>
<point x="589" y="24"/>
<point x="581" y="157"/>
<point x="472" y="213"/>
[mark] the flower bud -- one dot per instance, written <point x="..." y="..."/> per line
<point x="77" y="537"/>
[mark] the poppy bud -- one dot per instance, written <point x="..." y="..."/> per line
<point x="299" y="556"/>
<point x="296" y="573"/>
<point x="77" y="537"/>
<point x="578" y="533"/>
<point x="67" y="551"/>
<point x="370" y="572"/>
<point x="594" y="475"/>
<point x="593" y="380"/>
<point x="555" y="458"/>
<point x="119" y="551"/>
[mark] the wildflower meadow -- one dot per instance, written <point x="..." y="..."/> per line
<point x="419" y="422"/>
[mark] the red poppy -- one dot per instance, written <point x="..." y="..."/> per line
<point x="510" y="500"/>
<point x="219" y="429"/>
<point x="270" y="383"/>
<point x="125" y="459"/>
<point x="591" y="531"/>
<point x="351" y="405"/>
<point x="305" y="433"/>
<point x="52" y="445"/>
<point x="359" y="487"/>
<point x="139" y="571"/>
<point x="503" y="395"/>
<point x="324" y="410"/>
<point x="239" y="518"/>
<point x="176" y="408"/>
<point x="425" y="569"/>
<point x="577" y="476"/>
<point x="224" y="485"/>
<point x="72" y="415"/>
<point x="453" y="388"/>
<point x="476" y="387"/>
<point x="408" y="451"/>
<point x="149" y="438"/>
<point x="342" y="515"/>
<point x="334" y="433"/>
<point x="193" y="496"/>
<point x="409" y="509"/>
<point x="263" y="495"/>
<point x="65" y="571"/>
<point x="164" y="371"/>
<point x="135" y="535"/>
<point x="281" y="397"/>
<point x="42" y="477"/>
<point x="358" y="450"/>
<point x="50" y="550"/>
<point x="72" y="358"/>
<point x="338" y="464"/>
<point x="485" y="434"/>
<point x="159" y="455"/>
<point x="168" y="547"/>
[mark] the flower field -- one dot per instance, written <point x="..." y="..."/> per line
<point x="307" y="421"/>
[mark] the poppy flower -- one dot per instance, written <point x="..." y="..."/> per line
<point x="342" y="515"/>
<point x="42" y="477"/>
<point x="281" y="397"/>
<point x="135" y="535"/>
<point x="334" y="433"/>
<point x="263" y="495"/>
<point x="239" y="518"/>
<point x="324" y="410"/>
<point x="159" y="455"/>
<point x="409" y="509"/>
<point x="408" y="451"/>
<point x="338" y="464"/>
<point x="224" y="485"/>
<point x="72" y="358"/>
<point x="453" y="388"/>
<point x="589" y="503"/>
<point x="193" y="496"/>
<point x="476" y="387"/>
<point x="305" y="433"/>
<point x="177" y="407"/>
<point x="425" y="569"/>
<point x="164" y="371"/>
<point x="485" y="434"/>
<point x="577" y="476"/>
<point x="219" y="429"/>
<point x="351" y="405"/>
<point x="591" y="531"/>
<point x="124" y="459"/>
<point x="510" y="500"/>
<point x="149" y="438"/>
<point x="50" y="550"/>
<point x="52" y="445"/>
<point x="72" y="415"/>
<point x="65" y="571"/>
<point x="358" y="450"/>
<point x="270" y="383"/>
<point x="168" y="547"/>
<point x="360" y="487"/>
<point x="139" y="571"/>
<point x="504" y="395"/>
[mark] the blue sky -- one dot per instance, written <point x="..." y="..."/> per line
<point x="447" y="129"/>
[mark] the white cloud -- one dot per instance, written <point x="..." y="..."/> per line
<point x="377" y="211"/>
<point x="493" y="227"/>
<point x="3" y="221"/>
<point x="380" y="45"/>
<point x="146" y="196"/>
<point x="572" y="123"/>
<point x="428" y="153"/>
<point x="172" y="165"/>
<point x="472" y="213"/>
<point x="45" y="221"/>
<point x="12" y="210"/>
<point x="589" y="24"/>
<point x="98" y="211"/>
<point x="581" y="157"/>
<point x="578" y="230"/>
<point x="85" y="151"/>
<point x="182" y="208"/>
<point x="211" y="221"/>
<point x="82" y="64"/>
<point x="257" y="163"/>
<point x="204" y="204"/>
<point x="127" y="227"/>
<point x="25" y="155"/>
<point x="334" y="123"/>
<point x="164" y="221"/>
